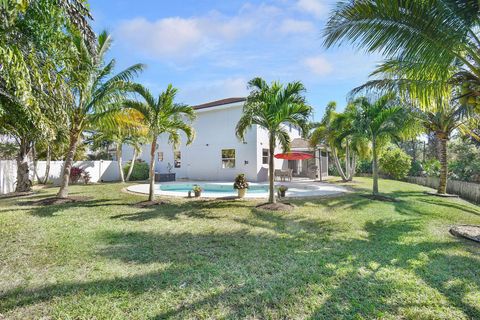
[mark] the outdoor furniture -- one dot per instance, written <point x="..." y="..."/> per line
<point x="283" y="174"/>
<point x="164" y="177"/>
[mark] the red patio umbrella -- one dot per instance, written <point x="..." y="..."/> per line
<point x="294" y="156"/>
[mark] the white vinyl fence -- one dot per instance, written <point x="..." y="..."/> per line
<point x="99" y="171"/>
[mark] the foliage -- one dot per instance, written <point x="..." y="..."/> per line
<point x="364" y="166"/>
<point x="427" y="44"/>
<point x="140" y="170"/>
<point x="272" y="107"/>
<point x="432" y="167"/>
<point x="395" y="163"/>
<point x="282" y="188"/>
<point x="416" y="169"/>
<point x="78" y="173"/>
<point x="465" y="162"/>
<point x="8" y="150"/>
<point x="196" y="188"/>
<point x="241" y="182"/>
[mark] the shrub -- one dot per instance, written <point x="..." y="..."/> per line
<point x="416" y="170"/>
<point x="395" y="163"/>
<point x="140" y="170"/>
<point x="240" y="182"/>
<point x="465" y="164"/>
<point x="432" y="167"/>
<point x="77" y="173"/>
<point x="197" y="188"/>
<point x="364" y="166"/>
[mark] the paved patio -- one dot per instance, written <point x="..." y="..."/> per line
<point x="298" y="187"/>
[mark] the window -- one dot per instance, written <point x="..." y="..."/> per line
<point x="265" y="156"/>
<point x="228" y="158"/>
<point x="177" y="159"/>
<point x="160" y="156"/>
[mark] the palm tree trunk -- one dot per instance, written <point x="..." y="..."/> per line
<point x="132" y="164"/>
<point x="337" y="164"/>
<point x="23" y="172"/>
<point x="118" y="151"/>
<point x="442" y="186"/>
<point x="47" y="165"/>
<point x="35" y="176"/>
<point x="152" y="168"/>
<point x="271" y="169"/>
<point x="63" y="192"/>
<point x="375" y="166"/>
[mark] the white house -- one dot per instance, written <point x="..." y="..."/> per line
<point x="217" y="154"/>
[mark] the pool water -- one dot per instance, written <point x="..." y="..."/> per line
<point x="210" y="187"/>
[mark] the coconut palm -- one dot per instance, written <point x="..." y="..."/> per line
<point x="272" y="107"/>
<point x="162" y="115"/>
<point x="426" y="40"/>
<point x="96" y="94"/>
<point x="379" y="120"/>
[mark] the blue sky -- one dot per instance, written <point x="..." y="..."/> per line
<point x="210" y="49"/>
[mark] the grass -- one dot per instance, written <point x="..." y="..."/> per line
<point x="344" y="257"/>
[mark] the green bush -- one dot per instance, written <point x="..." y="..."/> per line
<point x="465" y="163"/>
<point x="432" y="167"/>
<point x="416" y="170"/>
<point x="364" y="166"/>
<point x="140" y="171"/>
<point x="395" y="163"/>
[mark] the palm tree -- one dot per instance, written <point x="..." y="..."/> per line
<point x="425" y="39"/>
<point x="272" y="107"/>
<point x="96" y="94"/>
<point x="379" y="120"/>
<point x="443" y="119"/>
<point x="335" y="129"/>
<point x="160" y="116"/>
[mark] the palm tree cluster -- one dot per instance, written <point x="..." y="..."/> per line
<point x="432" y="60"/>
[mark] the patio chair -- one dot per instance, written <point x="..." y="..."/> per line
<point x="277" y="174"/>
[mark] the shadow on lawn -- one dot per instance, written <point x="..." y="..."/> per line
<point x="270" y="274"/>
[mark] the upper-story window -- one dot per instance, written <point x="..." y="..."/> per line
<point x="228" y="158"/>
<point x="265" y="156"/>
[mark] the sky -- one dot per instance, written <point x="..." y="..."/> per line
<point x="210" y="49"/>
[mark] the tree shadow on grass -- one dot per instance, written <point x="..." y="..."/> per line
<point x="201" y="209"/>
<point x="259" y="274"/>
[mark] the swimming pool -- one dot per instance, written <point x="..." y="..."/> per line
<point x="212" y="189"/>
<point x="209" y="188"/>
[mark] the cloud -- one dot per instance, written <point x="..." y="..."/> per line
<point x="296" y="26"/>
<point x="318" y="65"/>
<point x="315" y="7"/>
<point x="176" y="37"/>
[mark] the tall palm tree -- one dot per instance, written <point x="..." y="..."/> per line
<point x="96" y="94"/>
<point x="380" y="120"/>
<point x="162" y="115"/>
<point x="272" y="107"/>
<point x="425" y="39"/>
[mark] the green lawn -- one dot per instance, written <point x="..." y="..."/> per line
<point x="345" y="257"/>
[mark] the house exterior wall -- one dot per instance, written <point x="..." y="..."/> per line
<point x="215" y="130"/>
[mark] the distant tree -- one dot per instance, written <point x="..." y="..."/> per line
<point x="162" y="116"/>
<point x="272" y="107"/>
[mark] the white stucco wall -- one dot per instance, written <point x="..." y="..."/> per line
<point x="215" y="130"/>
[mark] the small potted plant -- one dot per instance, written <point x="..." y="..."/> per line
<point x="197" y="190"/>
<point x="241" y="185"/>
<point x="282" y="190"/>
